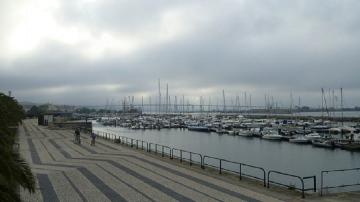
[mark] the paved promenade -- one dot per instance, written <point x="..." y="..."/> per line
<point x="110" y="172"/>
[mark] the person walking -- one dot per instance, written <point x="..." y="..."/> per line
<point x="77" y="136"/>
<point x="93" y="137"/>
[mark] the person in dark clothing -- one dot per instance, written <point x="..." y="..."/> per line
<point x="77" y="136"/>
<point x="93" y="137"/>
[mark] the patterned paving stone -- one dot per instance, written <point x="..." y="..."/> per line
<point x="110" y="172"/>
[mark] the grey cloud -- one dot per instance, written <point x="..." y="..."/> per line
<point x="271" y="46"/>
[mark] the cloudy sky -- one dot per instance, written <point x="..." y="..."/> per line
<point x="90" y="51"/>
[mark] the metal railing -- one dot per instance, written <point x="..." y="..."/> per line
<point x="184" y="155"/>
<point x="190" y="159"/>
<point x="239" y="172"/>
<point x="301" y="179"/>
<point x="163" y="148"/>
<point x="332" y="171"/>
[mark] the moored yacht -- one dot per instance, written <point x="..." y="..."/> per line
<point x="299" y="140"/>
<point x="271" y="135"/>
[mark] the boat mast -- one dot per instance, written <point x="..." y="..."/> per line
<point x="223" y="92"/>
<point x="342" y="107"/>
<point x="159" y="97"/>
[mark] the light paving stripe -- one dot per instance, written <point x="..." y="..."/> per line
<point x="85" y="186"/>
<point x="211" y="193"/>
<point x="154" y="169"/>
<point x="243" y="197"/>
<point x="61" y="150"/>
<point x="44" y="156"/>
<point x="143" y="188"/>
<point x="46" y="188"/>
<point x="55" y="152"/>
<point x="197" y="180"/>
<point x="108" y="192"/>
<point x="63" y="188"/>
<point x="121" y="180"/>
<point x="47" y="151"/>
<point x="151" y="182"/>
<point x="137" y="175"/>
<point x="118" y="186"/>
<point x="75" y="188"/>
<point x="105" y="145"/>
<point x="171" y="184"/>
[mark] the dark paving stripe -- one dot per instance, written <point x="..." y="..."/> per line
<point x="106" y="190"/>
<point x="60" y="134"/>
<point x="174" y="181"/>
<point x="61" y="150"/>
<point x="73" y="149"/>
<point x="34" y="155"/>
<point x="51" y="156"/>
<point x="36" y="159"/>
<point x="105" y="145"/>
<point x="203" y="182"/>
<point x="75" y="188"/>
<point x="42" y="132"/>
<point x="152" y="183"/>
<point x="88" y="149"/>
<point x="157" y="185"/>
<point x="127" y="184"/>
<point x="46" y="188"/>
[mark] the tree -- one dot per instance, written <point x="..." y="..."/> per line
<point x="14" y="171"/>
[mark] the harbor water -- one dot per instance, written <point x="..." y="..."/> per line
<point x="301" y="160"/>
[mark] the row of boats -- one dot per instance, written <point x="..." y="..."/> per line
<point x="317" y="132"/>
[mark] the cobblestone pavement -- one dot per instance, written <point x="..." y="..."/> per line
<point x="108" y="172"/>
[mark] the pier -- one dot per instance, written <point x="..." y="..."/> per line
<point x="112" y="172"/>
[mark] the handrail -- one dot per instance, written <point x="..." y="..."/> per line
<point x="263" y="179"/>
<point x="337" y="170"/>
<point x="190" y="156"/>
<point x="162" y="150"/>
<point x="294" y="176"/>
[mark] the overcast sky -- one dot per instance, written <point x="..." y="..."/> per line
<point x="90" y="51"/>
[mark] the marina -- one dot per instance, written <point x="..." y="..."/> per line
<point x="289" y="147"/>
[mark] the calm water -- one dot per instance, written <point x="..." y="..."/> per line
<point x="302" y="160"/>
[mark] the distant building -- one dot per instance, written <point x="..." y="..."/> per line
<point x="45" y="119"/>
<point x="53" y="117"/>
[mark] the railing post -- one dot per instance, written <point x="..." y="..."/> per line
<point x="156" y="148"/>
<point x="180" y="155"/>
<point x="142" y="145"/>
<point x="314" y="183"/>
<point x="321" y="183"/>
<point x="162" y="150"/>
<point x="268" y="179"/>
<point x="240" y="171"/>
<point x="220" y="167"/>
<point x="172" y="153"/>
<point x="302" y="190"/>
<point x="190" y="158"/>
<point x="132" y="142"/>
<point x="202" y="162"/>
<point x="264" y="177"/>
